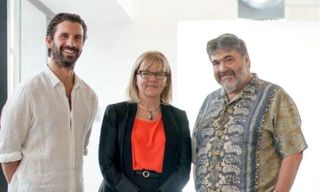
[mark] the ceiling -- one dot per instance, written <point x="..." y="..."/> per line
<point x="137" y="10"/>
<point x="93" y="10"/>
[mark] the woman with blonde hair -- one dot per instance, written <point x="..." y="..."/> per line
<point x="145" y="142"/>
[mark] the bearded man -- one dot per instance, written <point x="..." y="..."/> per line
<point x="247" y="136"/>
<point x="46" y="123"/>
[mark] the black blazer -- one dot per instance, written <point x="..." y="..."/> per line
<point x="115" y="156"/>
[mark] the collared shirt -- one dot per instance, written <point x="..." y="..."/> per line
<point x="38" y="128"/>
<point x="239" y="144"/>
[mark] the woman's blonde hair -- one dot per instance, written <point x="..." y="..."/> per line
<point x="148" y="59"/>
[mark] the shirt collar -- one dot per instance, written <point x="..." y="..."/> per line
<point x="54" y="80"/>
<point x="250" y="84"/>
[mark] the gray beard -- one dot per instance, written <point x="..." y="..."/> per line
<point x="229" y="88"/>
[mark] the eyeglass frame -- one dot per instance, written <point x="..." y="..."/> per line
<point x="160" y="75"/>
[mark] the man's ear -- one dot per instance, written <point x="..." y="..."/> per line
<point x="49" y="41"/>
<point x="247" y="60"/>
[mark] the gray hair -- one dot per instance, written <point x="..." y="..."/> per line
<point x="228" y="42"/>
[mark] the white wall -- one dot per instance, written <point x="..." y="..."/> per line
<point x="32" y="35"/>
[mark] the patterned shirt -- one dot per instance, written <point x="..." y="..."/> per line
<point x="239" y="144"/>
<point x="38" y="128"/>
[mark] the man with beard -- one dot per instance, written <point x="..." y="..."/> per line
<point x="247" y="136"/>
<point x="46" y="123"/>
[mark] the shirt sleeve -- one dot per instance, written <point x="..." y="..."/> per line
<point x="194" y="143"/>
<point x="16" y="120"/>
<point x="288" y="135"/>
<point x="94" y="109"/>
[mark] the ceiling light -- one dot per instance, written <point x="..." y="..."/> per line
<point x="262" y="4"/>
<point x="261" y="9"/>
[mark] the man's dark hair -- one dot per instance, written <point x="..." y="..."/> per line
<point x="228" y="42"/>
<point x="59" y="18"/>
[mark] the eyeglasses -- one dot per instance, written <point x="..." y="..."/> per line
<point x="148" y="74"/>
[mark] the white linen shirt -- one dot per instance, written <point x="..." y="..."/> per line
<point x="38" y="128"/>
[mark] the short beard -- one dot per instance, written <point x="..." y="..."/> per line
<point x="238" y="84"/>
<point x="61" y="60"/>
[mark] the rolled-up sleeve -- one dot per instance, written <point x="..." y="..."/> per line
<point x="15" y="122"/>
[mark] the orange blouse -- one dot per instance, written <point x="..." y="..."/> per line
<point x="148" y="145"/>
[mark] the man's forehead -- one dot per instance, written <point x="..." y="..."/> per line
<point x="69" y="26"/>
<point x="221" y="53"/>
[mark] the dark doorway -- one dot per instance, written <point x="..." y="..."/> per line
<point x="3" y="70"/>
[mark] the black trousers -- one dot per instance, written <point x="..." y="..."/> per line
<point x="146" y="184"/>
